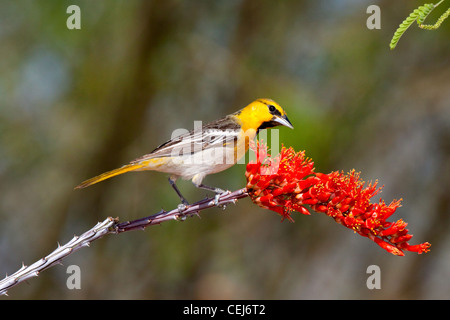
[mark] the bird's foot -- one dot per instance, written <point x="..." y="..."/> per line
<point x="220" y="193"/>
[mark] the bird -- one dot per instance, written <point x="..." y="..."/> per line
<point x="214" y="147"/>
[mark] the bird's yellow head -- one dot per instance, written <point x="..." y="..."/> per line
<point x="261" y="114"/>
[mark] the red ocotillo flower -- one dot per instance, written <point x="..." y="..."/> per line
<point x="288" y="182"/>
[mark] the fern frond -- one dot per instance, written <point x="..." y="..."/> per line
<point x="424" y="12"/>
<point x="418" y="14"/>
<point x="441" y="19"/>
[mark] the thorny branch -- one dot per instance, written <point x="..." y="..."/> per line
<point x="113" y="226"/>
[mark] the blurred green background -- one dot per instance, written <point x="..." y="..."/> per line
<point x="76" y="103"/>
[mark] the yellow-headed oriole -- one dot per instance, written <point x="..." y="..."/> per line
<point x="213" y="148"/>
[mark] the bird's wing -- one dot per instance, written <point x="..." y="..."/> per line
<point x="220" y="133"/>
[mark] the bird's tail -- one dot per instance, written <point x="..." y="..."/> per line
<point x="110" y="174"/>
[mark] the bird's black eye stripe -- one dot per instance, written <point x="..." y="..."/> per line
<point x="273" y="110"/>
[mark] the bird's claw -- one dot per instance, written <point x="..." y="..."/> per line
<point x="218" y="195"/>
<point x="181" y="207"/>
<point x="216" y="199"/>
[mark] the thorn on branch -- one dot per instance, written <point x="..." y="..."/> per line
<point x="114" y="226"/>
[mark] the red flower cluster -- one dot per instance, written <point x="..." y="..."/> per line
<point x="288" y="182"/>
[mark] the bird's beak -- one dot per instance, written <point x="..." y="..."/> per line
<point x="283" y="120"/>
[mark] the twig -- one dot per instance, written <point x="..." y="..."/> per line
<point x="113" y="226"/>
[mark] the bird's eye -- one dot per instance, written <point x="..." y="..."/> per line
<point x="271" y="108"/>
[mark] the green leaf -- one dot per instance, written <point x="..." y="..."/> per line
<point x="418" y="14"/>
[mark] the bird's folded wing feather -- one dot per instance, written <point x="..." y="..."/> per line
<point x="220" y="133"/>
